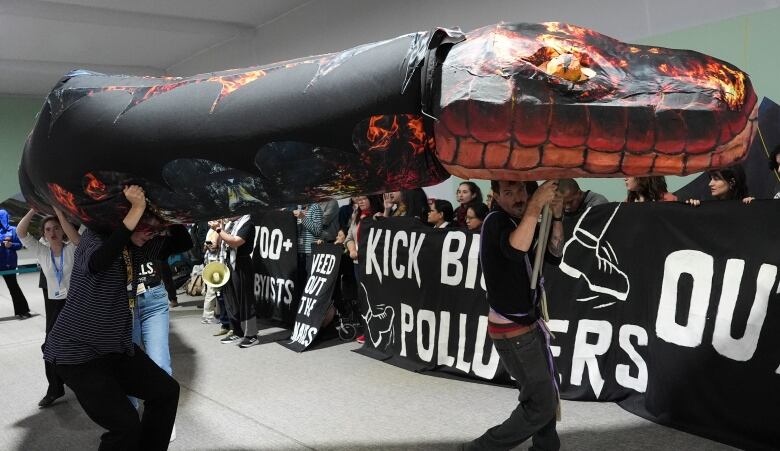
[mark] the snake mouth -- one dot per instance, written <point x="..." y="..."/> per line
<point x="541" y="141"/>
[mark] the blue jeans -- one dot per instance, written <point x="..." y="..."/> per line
<point x="150" y="326"/>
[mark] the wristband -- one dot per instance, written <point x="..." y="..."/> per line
<point x="557" y="219"/>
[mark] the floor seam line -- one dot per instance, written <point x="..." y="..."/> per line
<point x="253" y="420"/>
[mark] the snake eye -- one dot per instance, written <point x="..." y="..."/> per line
<point x="568" y="67"/>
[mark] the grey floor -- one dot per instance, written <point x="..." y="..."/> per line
<point x="268" y="397"/>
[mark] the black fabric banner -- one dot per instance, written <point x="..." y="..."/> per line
<point x="275" y="261"/>
<point x="669" y="310"/>
<point x="423" y="299"/>
<point x="317" y="296"/>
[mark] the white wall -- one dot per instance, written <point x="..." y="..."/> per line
<point x="324" y="26"/>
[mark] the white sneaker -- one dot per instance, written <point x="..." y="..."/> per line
<point x="173" y="433"/>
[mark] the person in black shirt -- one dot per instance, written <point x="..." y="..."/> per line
<point x="152" y="244"/>
<point x="91" y="342"/>
<point x="239" y="237"/>
<point x="514" y="320"/>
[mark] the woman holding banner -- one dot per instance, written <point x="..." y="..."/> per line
<point x="367" y="207"/>
<point x="727" y="184"/>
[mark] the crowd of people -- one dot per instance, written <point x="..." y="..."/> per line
<point x="107" y="303"/>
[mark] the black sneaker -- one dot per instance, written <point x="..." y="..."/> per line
<point x="248" y="342"/>
<point x="49" y="400"/>
<point x="230" y="338"/>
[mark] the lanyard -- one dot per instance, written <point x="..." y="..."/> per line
<point x="58" y="272"/>
<point x="129" y="267"/>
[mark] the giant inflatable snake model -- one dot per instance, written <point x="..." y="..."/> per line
<point x="509" y="101"/>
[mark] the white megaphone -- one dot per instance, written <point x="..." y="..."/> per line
<point x="216" y="274"/>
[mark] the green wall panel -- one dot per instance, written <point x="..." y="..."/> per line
<point x="17" y="116"/>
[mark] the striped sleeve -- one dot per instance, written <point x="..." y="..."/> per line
<point x="313" y="220"/>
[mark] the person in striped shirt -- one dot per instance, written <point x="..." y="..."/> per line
<point x="309" y="231"/>
<point x="91" y="344"/>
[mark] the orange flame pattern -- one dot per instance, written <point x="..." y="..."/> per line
<point x="506" y="49"/>
<point x="419" y="140"/>
<point x="94" y="187"/>
<point x="67" y="200"/>
<point x="230" y="83"/>
<point x="728" y="84"/>
<point x="383" y="130"/>
<point x="380" y="136"/>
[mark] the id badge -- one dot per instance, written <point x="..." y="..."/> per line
<point x="140" y="289"/>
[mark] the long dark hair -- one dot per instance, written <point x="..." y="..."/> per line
<point x="651" y="188"/>
<point x="474" y="189"/>
<point x="773" y="158"/>
<point x="416" y="202"/>
<point x="375" y="204"/>
<point x="736" y="178"/>
<point x="480" y="210"/>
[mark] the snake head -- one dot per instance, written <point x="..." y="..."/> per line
<point x="550" y="100"/>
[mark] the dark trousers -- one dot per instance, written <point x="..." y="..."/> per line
<point x="232" y="304"/>
<point x="102" y="386"/>
<point x="525" y="358"/>
<point x="20" y="302"/>
<point x="240" y="298"/>
<point x="53" y="309"/>
<point x="223" y="314"/>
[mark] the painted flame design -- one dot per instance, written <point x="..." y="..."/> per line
<point x="67" y="200"/>
<point x="418" y="139"/>
<point x="503" y="50"/>
<point x="728" y="82"/>
<point x="94" y="187"/>
<point x="379" y="136"/>
<point x="230" y="83"/>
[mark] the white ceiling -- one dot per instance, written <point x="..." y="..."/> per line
<point x="42" y="40"/>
